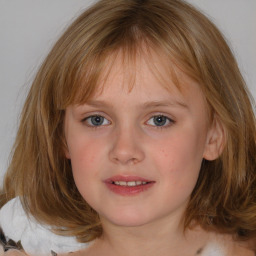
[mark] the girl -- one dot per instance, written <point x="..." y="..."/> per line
<point x="137" y="138"/>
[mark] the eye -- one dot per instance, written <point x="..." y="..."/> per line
<point x="96" y="120"/>
<point x="159" y="120"/>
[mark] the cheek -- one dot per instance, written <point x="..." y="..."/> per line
<point x="85" y="157"/>
<point x="179" y="159"/>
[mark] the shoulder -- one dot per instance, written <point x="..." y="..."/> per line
<point x="34" y="237"/>
<point x="13" y="219"/>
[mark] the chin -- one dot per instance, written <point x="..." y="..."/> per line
<point x="127" y="220"/>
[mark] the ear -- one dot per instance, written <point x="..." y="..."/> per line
<point x="64" y="139"/>
<point x="66" y="151"/>
<point x="65" y="148"/>
<point x="215" y="140"/>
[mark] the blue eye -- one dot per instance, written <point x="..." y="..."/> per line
<point x="96" y="120"/>
<point x="159" y="121"/>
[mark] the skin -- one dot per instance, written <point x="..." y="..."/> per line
<point x="129" y="142"/>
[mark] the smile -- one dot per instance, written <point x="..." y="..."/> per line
<point x="129" y="183"/>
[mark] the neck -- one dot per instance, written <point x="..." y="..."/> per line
<point x="150" y="239"/>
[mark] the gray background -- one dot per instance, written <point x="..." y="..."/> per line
<point x="28" y="29"/>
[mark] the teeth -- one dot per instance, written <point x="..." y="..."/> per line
<point x="129" y="183"/>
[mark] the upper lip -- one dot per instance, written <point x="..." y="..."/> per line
<point x="126" y="178"/>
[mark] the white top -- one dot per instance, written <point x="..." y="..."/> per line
<point x="35" y="238"/>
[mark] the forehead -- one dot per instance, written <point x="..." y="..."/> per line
<point x="148" y="70"/>
<point x="132" y="68"/>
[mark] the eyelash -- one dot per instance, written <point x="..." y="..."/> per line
<point x="86" y="120"/>
<point x="169" y="120"/>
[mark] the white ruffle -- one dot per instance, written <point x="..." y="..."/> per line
<point x="35" y="238"/>
<point x="214" y="249"/>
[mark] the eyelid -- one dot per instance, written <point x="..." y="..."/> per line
<point x="88" y="114"/>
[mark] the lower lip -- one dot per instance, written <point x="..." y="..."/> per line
<point x="129" y="190"/>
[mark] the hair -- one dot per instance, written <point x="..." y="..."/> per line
<point x="224" y="198"/>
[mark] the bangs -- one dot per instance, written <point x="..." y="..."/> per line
<point x="93" y="74"/>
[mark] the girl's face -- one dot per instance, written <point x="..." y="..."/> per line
<point x="136" y="154"/>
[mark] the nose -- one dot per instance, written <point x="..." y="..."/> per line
<point x="126" y="147"/>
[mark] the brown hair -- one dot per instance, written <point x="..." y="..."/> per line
<point x="224" y="198"/>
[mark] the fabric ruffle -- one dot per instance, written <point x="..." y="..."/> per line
<point x="22" y="232"/>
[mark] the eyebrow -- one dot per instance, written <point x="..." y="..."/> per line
<point x="145" y="105"/>
<point x="170" y="103"/>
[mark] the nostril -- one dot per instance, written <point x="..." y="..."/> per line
<point x="126" y="150"/>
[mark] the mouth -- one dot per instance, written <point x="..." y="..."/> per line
<point x="128" y="185"/>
